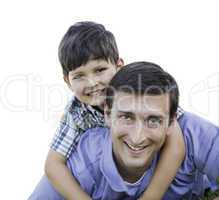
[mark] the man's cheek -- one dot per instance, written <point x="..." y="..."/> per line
<point x="119" y="131"/>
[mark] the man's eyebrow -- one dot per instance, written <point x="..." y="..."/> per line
<point x="156" y="116"/>
<point x="159" y="118"/>
<point x="126" y="112"/>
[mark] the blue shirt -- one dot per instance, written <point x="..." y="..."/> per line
<point x="93" y="166"/>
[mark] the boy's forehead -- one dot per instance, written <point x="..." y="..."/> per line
<point x="90" y="65"/>
<point x="126" y="102"/>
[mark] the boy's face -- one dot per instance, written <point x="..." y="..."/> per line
<point x="89" y="81"/>
<point x="138" y="126"/>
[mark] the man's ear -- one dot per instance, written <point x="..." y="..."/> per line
<point x="119" y="63"/>
<point x="173" y="126"/>
<point x="107" y="116"/>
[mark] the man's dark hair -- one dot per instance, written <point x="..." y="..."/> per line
<point x="84" y="41"/>
<point x="144" y="78"/>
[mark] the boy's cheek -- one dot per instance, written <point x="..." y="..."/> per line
<point x="78" y="90"/>
<point x="106" y="78"/>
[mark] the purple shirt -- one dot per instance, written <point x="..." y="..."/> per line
<point x="93" y="166"/>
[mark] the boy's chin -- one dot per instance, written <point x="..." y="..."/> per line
<point x="98" y="101"/>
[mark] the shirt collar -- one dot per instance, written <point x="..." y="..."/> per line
<point x="110" y="172"/>
<point x="85" y="116"/>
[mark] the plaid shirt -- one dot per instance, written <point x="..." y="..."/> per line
<point x="77" y="118"/>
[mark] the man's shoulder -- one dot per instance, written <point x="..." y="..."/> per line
<point x="92" y="137"/>
<point x="201" y="139"/>
<point x="190" y="121"/>
<point x="197" y="131"/>
<point x="89" y="149"/>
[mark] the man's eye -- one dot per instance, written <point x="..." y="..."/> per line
<point x="125" y="117"/>
<point x="154" y="122"/>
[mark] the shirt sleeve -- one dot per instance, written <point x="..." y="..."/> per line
<point x="66" y="136"/>
<point x="211" y="167"/>
<point x="203" y="138"/>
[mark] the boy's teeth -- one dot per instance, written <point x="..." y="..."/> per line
<point x="96" y="92"/>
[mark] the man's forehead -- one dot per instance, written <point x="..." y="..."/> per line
<point x="126" y="102"/>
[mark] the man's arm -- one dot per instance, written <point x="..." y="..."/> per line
<point x="61" y="178"/>
<point x="202" y="143"/>
<point x="171" y="158"/>
<point x="202" y="138"/>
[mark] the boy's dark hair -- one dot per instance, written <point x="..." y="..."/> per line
<point x="84" y="41"/>
<point x="144" y="78"/>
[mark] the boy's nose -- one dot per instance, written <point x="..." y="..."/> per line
<point x="93" y="81"/>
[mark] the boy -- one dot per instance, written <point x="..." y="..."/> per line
<point x="89" y="57"/>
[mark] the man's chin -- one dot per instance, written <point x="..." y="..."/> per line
<point x="140" y="163"/>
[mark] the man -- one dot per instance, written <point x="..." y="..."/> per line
<point x="118" y="162"/>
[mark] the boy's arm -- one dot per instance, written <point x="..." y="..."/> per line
<point x="170" y="160"/>
<point x="61" y="178"/>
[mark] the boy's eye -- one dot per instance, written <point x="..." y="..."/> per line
<point x="101" y="69"/>
<point x="154" y="122"/>
<point x="79" y="76"/>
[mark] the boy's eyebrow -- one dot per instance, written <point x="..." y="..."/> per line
<point x="77" y="73"/>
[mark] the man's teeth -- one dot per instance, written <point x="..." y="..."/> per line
<point x="135" y="148"/>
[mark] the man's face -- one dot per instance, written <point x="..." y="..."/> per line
<point x="89" y="81"/>
<point x="138" y="127"/>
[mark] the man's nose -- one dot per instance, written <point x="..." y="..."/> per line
<point x="138" y="134"/>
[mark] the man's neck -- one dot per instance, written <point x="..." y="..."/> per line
<point x="131" y="175"/>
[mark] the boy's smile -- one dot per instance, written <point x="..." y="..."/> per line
<point x="89" y="81"/>
<point x="95" y="92"/>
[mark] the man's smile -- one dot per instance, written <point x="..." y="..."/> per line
<point x="136" y="149"/>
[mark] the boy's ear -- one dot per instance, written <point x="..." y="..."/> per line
<point x="66" y="79"/>
<point x="119" y="63"/>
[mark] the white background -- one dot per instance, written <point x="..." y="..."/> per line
<point x="181" y="36"/>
